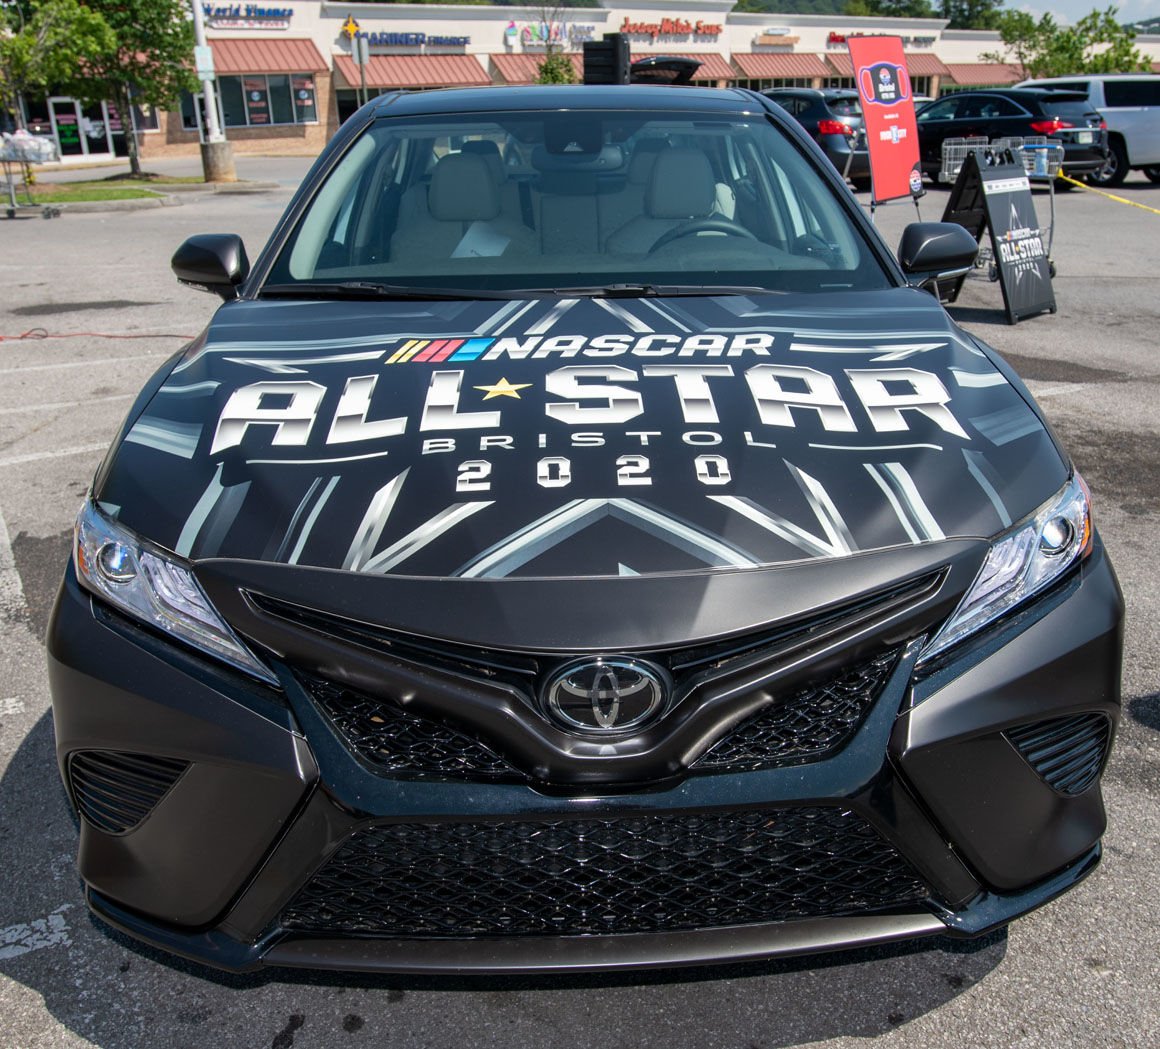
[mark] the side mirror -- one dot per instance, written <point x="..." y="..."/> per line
<point x="933" y="251"/>
<point x="214" y="262"/>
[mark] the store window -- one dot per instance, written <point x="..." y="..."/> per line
<point x="259" y="100"/>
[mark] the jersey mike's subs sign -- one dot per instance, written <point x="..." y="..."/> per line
<point x="888" y="112"/>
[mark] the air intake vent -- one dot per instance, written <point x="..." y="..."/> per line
<point x="115" y="791"/>
<point x="610" y="874"/>
<point x="1067" y="752"/>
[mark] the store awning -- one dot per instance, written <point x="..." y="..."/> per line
<point x="780" y="65"/>
<point x="982" y="74"/>
<point x="266" y="55"/>
<point x="713" y="65"/>
<point x="918" y="63"/>
<point x="523" y="68"/>
<point x="387" y="71"/>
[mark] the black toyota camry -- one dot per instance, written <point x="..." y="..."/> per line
<point x="576" y="543"/>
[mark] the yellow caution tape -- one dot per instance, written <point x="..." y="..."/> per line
<point x="1110" y="196"/>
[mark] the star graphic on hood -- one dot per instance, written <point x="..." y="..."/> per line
<point x="503" y="388"/>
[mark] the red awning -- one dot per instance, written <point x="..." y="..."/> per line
<point x="386" y="71"/>
<point x="266" y="55"/>
<point x="982" y="74"/>
<point x="713" y="65"/>
<point x="523" y="68"/>
<point x="781" y="65"/>
<point x="918" y="63"/>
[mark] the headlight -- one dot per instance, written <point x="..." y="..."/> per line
<point x="1024" y="561"/>
<point x="154" y="587"/>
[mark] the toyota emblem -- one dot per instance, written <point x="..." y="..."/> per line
<point x="605" y="695"/>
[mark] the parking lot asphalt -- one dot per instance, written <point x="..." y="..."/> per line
<point x="1082" y="971"/>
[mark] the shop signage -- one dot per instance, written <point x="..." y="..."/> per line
<point x="414" y="40"/>
<point x="775" y="40"/>
<point x="669" y="28"/>
<point x="838" y="40"/>
<point x="247" y="16"/>
<point x="532" y="35"/>
<point x="888" y="111"/>
<point x="351" y="30"/>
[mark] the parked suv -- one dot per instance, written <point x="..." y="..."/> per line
<point x="834" y="118"/>
<point x="1062" y="116"/>
<point x="1130" y="105"/>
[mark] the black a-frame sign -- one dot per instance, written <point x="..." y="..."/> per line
<point x="998" y="197"/>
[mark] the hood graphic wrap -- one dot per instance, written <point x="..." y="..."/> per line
<point x="579" y="437"/>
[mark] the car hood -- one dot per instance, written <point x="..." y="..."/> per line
<point x="572" y="437"/>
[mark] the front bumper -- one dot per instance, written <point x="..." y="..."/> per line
<point x="272" y="793"/>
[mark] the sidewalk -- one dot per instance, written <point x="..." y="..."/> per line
<point x="286" y="171"/>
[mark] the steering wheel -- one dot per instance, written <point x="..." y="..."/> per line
<point x="712" y="224"/>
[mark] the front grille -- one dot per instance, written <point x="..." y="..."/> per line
<point x="1068" y="753"/>
<point x="807" y="725"/>
<point x="394" y="741"/>
<point x="613" y="875"/>
<point x="115" y="791"/>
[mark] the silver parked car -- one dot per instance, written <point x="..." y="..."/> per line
<point x="1130" y="105"/>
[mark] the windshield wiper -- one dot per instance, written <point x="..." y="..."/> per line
<point x="648" y="291"/>
<point x="367" y="289"/>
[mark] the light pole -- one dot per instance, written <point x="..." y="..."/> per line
<point x="217" y="156"/>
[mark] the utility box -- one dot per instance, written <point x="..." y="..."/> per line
<point x="607" y="61"/>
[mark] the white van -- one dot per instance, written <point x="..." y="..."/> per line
<point x="1130" y="105"/>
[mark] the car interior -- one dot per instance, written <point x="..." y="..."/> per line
<point x="578" y="194"/>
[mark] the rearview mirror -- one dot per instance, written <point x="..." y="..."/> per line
<point x="214" y="262"/>
<point x="933" y="251"/>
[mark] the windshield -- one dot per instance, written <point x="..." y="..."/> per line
<point x="518" y="201"/>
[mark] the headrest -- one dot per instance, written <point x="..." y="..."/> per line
<point x="682" y="185"/>
<point x="462" y="190"/>
<point x="644" y="156"/>
<point x="484" y="147"/>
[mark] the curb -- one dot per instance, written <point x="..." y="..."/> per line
<point x="82" y="207"/>
<point x="221" y="187"/>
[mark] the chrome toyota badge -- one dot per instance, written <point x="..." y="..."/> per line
<point x="605" y="695"/>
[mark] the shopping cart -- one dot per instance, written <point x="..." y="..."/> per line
<point x="1043" y="161"/>
<point x="954" y="154"/>
<point x="17" y="151"/>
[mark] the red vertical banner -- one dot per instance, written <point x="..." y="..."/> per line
<point x="888" y="112"/>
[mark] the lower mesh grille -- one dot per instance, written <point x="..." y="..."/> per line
<point x="640" y="874"/>
<point x="115" y="791"/>
<point x="1067" y="752"/>
<point x="805" y="726"/>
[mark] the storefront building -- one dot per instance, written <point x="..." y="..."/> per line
<point x="286" y="76"/>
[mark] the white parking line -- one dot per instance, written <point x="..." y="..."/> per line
<point x="59" y="453"/>
<point x="49" y="931"/>
<point x="12" y="705"/>
<point x="58" y="405"/>
<point x="82" y="364"/>
<point x="11" y="589"/>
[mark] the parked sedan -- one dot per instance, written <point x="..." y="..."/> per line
<point x="833" y="118"/>
<point x="1061" y="116"/>
<point x="619" y="562"/>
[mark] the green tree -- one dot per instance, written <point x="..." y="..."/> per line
<point x="556" y="69"/>
<point x="972" y="14"/>
<point x="890" y="8"/>
<point x="1097" y="43"/>
<point x="152" y="60"/>
<point x="45" y="46"/>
